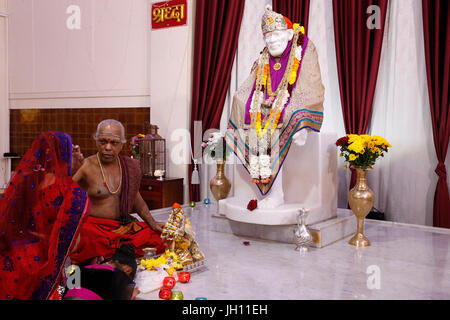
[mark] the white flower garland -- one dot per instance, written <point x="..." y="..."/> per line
<point x="264" y="166"/>
<point x="254" y="167"/>
<point x="260" y="164"/>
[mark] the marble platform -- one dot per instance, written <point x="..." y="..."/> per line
<point x="308" y="179"/>
<point x="409" y="261"/>
<point x="324" y="232"/>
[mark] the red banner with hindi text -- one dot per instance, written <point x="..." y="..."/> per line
<point x="168" y="14"/>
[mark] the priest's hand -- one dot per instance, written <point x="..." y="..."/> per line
<point x="143" y="211"/>
<point x="157" y="226"/>
<point x="77" y="158"/>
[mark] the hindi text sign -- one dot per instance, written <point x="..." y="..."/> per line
<point x="169" y="14"/>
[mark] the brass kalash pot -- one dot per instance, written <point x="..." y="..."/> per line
<point x="360" y="199"/>
<point x="220" y="185"/>
<point x="152" y="152"/>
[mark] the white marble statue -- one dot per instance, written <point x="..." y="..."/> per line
<point x="276" y="42"/>
<point x="278" y="104"/>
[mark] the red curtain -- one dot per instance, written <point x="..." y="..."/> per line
<point x="296" y="10"/>
<point x="358" y="51"/>
<point x="436" y="27"/>
<point x="217" y="26"/>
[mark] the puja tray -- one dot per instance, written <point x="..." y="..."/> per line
<point x="194" y="266"/>
<point x="190" y="267"/>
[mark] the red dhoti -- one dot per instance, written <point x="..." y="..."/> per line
<point x="101" y="237"/>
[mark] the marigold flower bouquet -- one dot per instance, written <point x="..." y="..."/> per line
<point x="362" y="150"/>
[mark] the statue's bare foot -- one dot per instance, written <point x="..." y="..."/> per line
<point x="270" y="203"/>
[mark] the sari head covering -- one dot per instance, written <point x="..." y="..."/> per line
<point x="40" y="215"/>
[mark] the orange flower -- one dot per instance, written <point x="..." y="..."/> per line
<point x="277" y="119"/>
<point x="266" y="72"/>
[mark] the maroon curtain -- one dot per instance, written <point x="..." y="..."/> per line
<point x="358" y="51"/>
<point x="296" y="10"/>
<point x="217" y="26"/>
<point x="436" y="28"/>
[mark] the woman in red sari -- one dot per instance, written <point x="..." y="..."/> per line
<point x="40" y="215"/>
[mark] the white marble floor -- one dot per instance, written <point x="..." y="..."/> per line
<point x="404" y="262"/>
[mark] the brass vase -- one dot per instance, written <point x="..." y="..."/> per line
<point x="220" y="186"/>
<point x="360" y="199"/>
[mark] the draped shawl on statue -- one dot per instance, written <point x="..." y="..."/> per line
<point x="303" y="110"/>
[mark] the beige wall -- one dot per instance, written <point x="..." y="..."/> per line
<point x="171" y="58"/>
<point x="114" y="60"/>
<point x="3" y="6"/>
<point x="103" y="64"/>
<point x="4" y="114"/>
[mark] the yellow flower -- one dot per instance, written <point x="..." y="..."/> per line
<point x="148" y="263"/>
<point x="345" y="166"/>
<point x="166" y="253"/>
<point x="293" y="75"/>
<point x="170" y="271"/>
<point x="296" y="25"/>
<point x="341" y="154"/>
<point x="159" y="261"/>
<point x="174" y="257"/>
<point x="356" y="147"/>
<point x="352" y="137"/>
<point x="381" y="142"/>
<point x="358" y="144"/>
<point x="378" y="140"/>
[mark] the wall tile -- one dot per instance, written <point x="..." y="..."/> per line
<point x="80" y="124"/>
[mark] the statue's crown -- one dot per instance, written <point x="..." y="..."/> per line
<point x="272" y="21"/>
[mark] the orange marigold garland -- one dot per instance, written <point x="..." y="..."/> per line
<point x="260" y="163"/>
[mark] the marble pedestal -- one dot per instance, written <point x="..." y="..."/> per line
<point x="309" y="180"/>
<point x="324" y="232"/>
